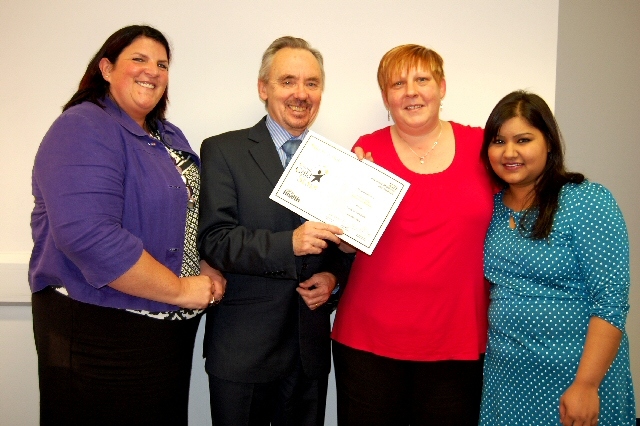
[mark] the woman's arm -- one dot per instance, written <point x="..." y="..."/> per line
<point x="219" y="281"/>
<point x="580" y="404"/>
<point x="80" y="170"/>
<point x="151" y="280"/>
<point x="362" y="155"/>
<point x="601" y="246"/>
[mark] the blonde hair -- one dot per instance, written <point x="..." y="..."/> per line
<point x="406" y="57"/>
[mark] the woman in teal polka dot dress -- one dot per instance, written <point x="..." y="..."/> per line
<point x="557" y="257"/>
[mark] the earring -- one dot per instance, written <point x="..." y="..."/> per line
<point x="441" y="105"/>
<point x="388" y="115"/>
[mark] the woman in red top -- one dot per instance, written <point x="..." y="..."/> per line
<point x="411" y="328"/>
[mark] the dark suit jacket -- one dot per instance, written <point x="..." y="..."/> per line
<point x="255" y="334"/>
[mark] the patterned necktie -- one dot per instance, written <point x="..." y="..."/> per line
<point x="290" y="147"/>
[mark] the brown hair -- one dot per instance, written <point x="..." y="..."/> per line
<point x="93" y="87"/>
<point x="546" y="191"/>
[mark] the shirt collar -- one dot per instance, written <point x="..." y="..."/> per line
<point x="127" y="122"/>
<point x="279" y="135"/>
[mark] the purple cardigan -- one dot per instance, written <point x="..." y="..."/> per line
<point x="104" y="191"/>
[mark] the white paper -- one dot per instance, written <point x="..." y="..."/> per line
<point x="324" y="182"/>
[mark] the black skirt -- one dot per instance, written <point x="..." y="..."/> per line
<point x="105" y="366"/>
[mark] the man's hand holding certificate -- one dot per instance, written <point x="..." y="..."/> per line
<point x="326" y="183"/>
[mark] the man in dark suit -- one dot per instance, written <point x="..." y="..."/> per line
<point x="267" y="344"/>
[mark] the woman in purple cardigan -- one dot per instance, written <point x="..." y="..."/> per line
<point x="117" y="284"/>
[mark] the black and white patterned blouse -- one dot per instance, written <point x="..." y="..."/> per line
<point x="190" y="174"/>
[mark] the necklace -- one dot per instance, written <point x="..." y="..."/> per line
<point x="512" y="204"/>
<point x="421" y="157"/>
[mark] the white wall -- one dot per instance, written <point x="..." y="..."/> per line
<point x="490" y="48"/>
<point x="598" y="109"/>
<point x="18" y="368"/>
<point x="217" y="45"/>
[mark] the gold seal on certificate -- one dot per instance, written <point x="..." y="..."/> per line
<point x="324" y="182"/>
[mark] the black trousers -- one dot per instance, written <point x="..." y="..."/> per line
<point x="373" y="390"/>
<point x="103" y="366"/>
<point x="294" y="400"/>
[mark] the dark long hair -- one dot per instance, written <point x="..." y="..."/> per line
<point x="546" y="190"/>
<point x="93" y="87"/>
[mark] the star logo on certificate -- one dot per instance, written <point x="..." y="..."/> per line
<point x="318" y="176"/>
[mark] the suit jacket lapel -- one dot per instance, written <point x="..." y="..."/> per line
<point x="264" y="152"/>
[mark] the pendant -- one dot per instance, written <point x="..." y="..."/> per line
<point x="421" y="160"/>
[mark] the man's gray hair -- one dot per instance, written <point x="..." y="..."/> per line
<point x="281" y="43"/>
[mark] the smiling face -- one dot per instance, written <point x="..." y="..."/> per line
<point x="138" y="78"/>
<point x="293" y="90"/>
<point x="413" y="98"/>
<point x="518" y="153"/>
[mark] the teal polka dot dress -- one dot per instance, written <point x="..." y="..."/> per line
<point x="543" y="293"/>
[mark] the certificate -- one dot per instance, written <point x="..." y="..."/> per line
<point x="324" y="182"/>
